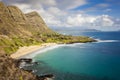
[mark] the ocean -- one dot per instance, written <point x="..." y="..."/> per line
<point x="82" y="61"/>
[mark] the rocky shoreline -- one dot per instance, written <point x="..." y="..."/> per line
<point x="10" y="70"/>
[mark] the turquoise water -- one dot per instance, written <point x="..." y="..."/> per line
<point x="89" y="61"/>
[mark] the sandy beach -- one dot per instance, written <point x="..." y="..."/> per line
<point x="28" y="49"/>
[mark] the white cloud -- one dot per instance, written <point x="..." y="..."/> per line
<point x="104" y="20"/>
<point x="85" y="20"/>
<point x="70" y="4"/>
<point x="56" y="11"/>
<point x="80" y="20"/>
<point x="23" y="7"/>
<point x="64" y="4"/>
<point x="34" y="3"/>
<point x="48" y="2"/>
<point x="49" y="18"/>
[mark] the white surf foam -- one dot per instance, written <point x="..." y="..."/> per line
<point x="33" y="54"/>
<point x="77" y="45"/>
<point x="99" y="40"/>
<point x="74" y="44"/>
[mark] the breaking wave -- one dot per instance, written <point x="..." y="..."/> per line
<point x="33" y="54"/>
<point x="99" y="40"/>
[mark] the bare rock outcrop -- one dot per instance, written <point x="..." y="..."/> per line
<point x="16" y="14"/>
<point x="9" y="70"/>
<point x="14" y="22"/>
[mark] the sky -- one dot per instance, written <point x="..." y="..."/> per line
<point x="84" y="14"/>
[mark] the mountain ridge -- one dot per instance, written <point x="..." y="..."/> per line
<point x="14" y="17"/>
<point x="16" y="25"/>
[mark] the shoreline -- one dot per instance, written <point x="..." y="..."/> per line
<point x="26" y="50"/>
<point x="31" y="51"/>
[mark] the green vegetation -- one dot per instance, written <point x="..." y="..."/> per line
<point x="11" y="45"/>
<point x="59" y="38"/>
<point x="21" y="78"/>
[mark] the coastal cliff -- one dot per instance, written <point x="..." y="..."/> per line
<point x="18" y="30"/>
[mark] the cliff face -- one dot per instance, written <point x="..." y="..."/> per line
<point x="36" y="20"/>
<point x="14" y="22"/>
<point x="9" y="16"/>
<point x="16" y="14"/>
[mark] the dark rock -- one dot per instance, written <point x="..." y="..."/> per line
<point x="45" y="77"/>
<point x="27" y="60"/>
<point x="35" y="63"/>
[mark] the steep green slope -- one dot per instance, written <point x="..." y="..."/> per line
<point x="18" y="29"/>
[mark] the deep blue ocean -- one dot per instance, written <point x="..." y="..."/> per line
<point x="86" y="61"/>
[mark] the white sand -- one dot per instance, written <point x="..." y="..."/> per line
<point x="26" y="50"/>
